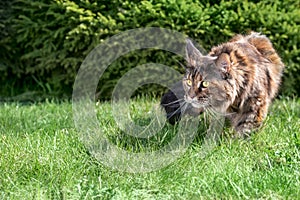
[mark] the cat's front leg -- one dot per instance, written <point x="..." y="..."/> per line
<point x="250" y="117"/>
<point x="246" y="124"/>
<point x="245" y="127"/>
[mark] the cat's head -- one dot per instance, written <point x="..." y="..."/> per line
<point x="204" y="81"/>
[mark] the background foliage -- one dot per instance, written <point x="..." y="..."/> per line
<point x="44" y="42"/>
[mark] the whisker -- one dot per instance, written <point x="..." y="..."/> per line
<point x="216" y="116"/>
<point x="219" y="113"/>
<point x="176" y="111"/>
<point x="173" y="102"/>
<point x="212" y="112"/>
<point x="173" y="106"/>
<point x="185" y="107"/>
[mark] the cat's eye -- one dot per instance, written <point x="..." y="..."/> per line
<point x="189" y="82"/>
<point x="205" y="84"/>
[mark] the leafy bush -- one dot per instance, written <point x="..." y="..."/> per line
<point x="44" y="42"/>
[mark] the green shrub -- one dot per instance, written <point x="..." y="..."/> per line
<point x="44" y="42"/>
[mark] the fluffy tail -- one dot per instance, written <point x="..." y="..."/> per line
<point x="265" y="47"/>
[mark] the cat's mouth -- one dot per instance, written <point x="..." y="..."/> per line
<point x="196" y="103"/>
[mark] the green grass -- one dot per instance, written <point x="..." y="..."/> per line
<point x="41" y="157"/>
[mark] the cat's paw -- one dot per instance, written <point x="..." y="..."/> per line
<point x="241" y="135"/>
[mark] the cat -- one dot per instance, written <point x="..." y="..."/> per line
<point x="237" y="79"/>
<point x="171" y="102"/>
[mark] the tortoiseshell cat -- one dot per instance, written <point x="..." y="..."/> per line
<point x="238" y="79"/>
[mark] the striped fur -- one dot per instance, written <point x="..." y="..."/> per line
<point x="244" y="75"/>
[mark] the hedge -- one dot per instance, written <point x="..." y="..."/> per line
<point x="44" y="42"/>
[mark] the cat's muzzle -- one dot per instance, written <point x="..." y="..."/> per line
<point x="196" y="103"/>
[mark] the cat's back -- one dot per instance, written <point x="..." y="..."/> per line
<point x="265" y="48"/>
<point x="252" y="60"/>
<point x="274" y="66"/>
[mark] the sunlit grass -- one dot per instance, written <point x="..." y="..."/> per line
<point x="41" y="157"/>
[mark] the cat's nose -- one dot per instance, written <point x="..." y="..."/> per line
<point x="192" y="95"/>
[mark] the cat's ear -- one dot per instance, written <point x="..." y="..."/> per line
<point x="193" y="55"/>
<point x="224" y="64"/>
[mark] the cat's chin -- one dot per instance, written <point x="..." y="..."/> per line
<point x="197" y="105"/>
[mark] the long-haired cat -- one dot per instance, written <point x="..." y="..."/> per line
<point x="237" y="79"/>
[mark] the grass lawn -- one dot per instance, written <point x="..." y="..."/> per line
<point x="41" y="157"/>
